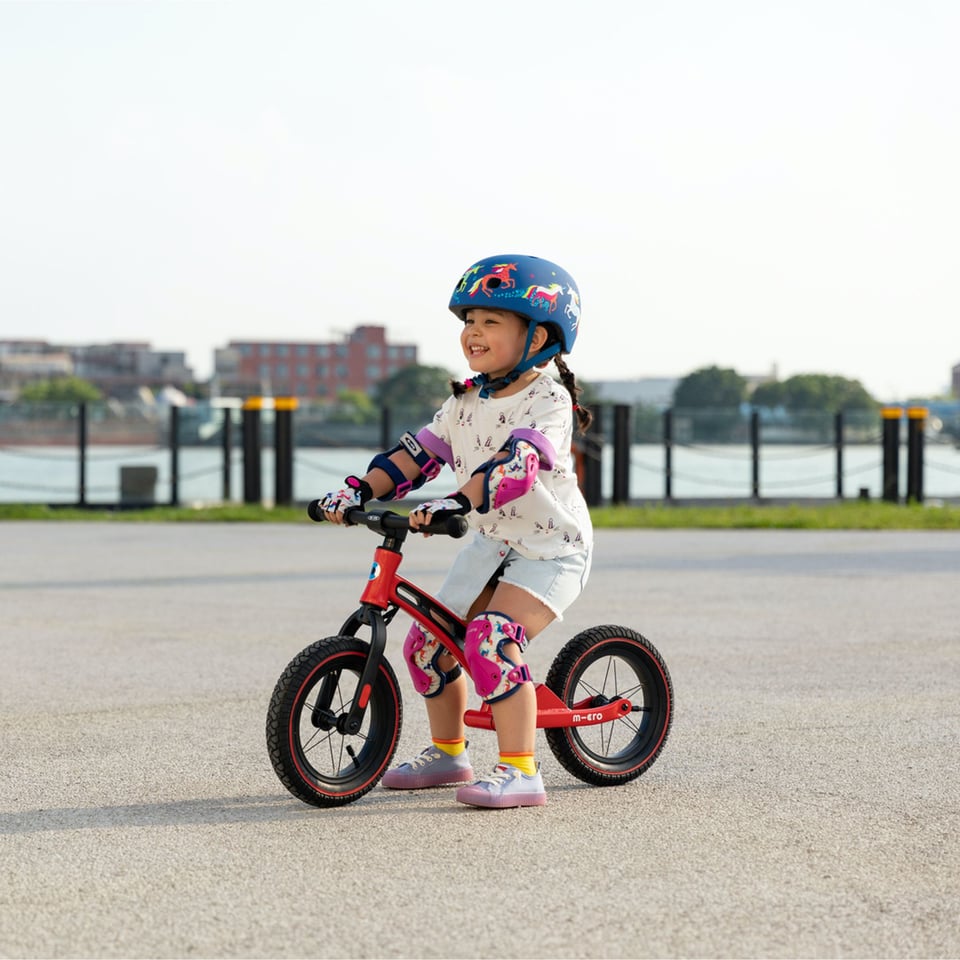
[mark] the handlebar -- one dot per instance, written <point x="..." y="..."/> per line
<point x="385" y="521"/>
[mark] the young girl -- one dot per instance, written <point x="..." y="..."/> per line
<point x="507" y="434"/>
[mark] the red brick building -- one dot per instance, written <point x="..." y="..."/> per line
<point x="308" y="370"/>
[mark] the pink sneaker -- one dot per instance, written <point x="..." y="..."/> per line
<point x="507" y="786"/>
<point x="431" y="768"/>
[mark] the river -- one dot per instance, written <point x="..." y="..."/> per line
<point x="45" y="474"/>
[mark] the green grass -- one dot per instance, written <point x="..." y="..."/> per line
<point x="852" y="515"/>
<point x="229" y="513"/>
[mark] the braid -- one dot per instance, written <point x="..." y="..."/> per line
<point x="458" y="388"/>
<point x="584" y="416"/>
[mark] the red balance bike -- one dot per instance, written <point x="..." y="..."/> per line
<point x="335" y="715"/>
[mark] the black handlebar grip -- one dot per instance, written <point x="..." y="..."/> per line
<point x="457" y="527"/>
<point x="314" y="512"/>
<point x="350" y="515"/>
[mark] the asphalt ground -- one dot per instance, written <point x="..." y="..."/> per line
<point x="807" y="802"/>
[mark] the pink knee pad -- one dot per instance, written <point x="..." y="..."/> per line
<point x="495" y="676"/>
<point x="421" y="650"/>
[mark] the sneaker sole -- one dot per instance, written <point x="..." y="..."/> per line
<point x="501" y="803"/>
<point x="423" y="781"/>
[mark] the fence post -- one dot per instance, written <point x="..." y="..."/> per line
<point x="227" y="441"/>
<point x="916" y="422"/>
<point x="386" y="428"/>
<point x="283" y="449"/>
<point x="621" y="453"/>
<point x="755" y="453"/>
<point x="838" y="441"/>
<point x="82" y="454"/>
<point x="251" y="450"/>
<point x="592" y="445"/>
<point x="891" y="453"/>
<point x="668" y="454"/>
<point x="174" y="455"/>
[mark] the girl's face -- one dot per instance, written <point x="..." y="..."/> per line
<point x="493" y="341"/>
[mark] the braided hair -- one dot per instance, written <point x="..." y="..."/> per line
<point x="567" y="378"/>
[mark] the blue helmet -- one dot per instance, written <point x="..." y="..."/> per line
<point x="533" y="288"/>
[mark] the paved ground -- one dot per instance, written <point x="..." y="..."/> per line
<point x="806" y="805"/>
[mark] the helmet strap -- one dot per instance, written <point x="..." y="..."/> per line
<point x="487" y="386"/>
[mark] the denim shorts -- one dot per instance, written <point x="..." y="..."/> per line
<point x="556" y="583"/>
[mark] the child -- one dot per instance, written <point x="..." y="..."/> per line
<point x="507" y="434"/>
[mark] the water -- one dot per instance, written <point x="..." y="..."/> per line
<point x="51" y="474"/>
<point x="47" y="474"/>
<point x="795" y="471"/>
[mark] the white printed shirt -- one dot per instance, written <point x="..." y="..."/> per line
<point x="549" y="520"/>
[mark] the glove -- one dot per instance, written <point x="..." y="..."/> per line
<point x="356" y="493"/>
<point x="436" y="511"/>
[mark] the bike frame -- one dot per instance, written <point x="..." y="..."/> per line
<point x="387" y="592"/>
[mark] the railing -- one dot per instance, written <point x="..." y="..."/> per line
<point x="110" y="455"/>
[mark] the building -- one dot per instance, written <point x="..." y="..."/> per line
<point x="648" y="391"/>
<point x="23" y="361"/>
<point x="121" y="369"/>
<point x="118" y="370"/>
<point x="657" y="392"/>
<point x="308" y="370"/>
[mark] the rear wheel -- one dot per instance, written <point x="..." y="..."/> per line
<point x="315" y="759"/>
<point x="594" y="668"/>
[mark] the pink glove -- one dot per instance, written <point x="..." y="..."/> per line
<point x="436" y="511"/>
<point x="356" y="493"/>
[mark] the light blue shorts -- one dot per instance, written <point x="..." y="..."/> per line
<point x="555" y="583"/>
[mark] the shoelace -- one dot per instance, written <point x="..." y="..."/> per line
<point x="500" y="775"/>
<point x="427" y="756"/>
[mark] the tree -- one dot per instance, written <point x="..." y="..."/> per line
<point x="413" y="394"/>
<point x="353" y="406"/>
<point x="414" y="386"/>
<point x="646" y="423"/>
<point x="60" y="390"/>
<point x="710" y="387"/>
<point x="713" y="395"/>
<point x="814" y="391"/>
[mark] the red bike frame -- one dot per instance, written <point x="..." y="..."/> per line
<point x="386" y="589"/>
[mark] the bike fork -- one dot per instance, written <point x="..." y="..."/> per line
<point x="352" y="720"/>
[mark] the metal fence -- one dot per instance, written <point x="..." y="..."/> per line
<point x="110" y="454"/>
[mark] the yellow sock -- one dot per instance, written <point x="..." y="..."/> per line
<point x="453" y="747"/>
<point x="524" y="762"/>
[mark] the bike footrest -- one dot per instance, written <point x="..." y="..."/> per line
<point x="482" y="718"/>
<point x="552" y="712"/>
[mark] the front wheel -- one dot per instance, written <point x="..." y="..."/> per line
<point x="315" y="759"/>
<point x="594" y="668"/>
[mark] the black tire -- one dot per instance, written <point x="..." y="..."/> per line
<point x="593" y="668"/>
<point x="314" y="760"/>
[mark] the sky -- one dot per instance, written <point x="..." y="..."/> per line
<point x="754" y="184"/>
